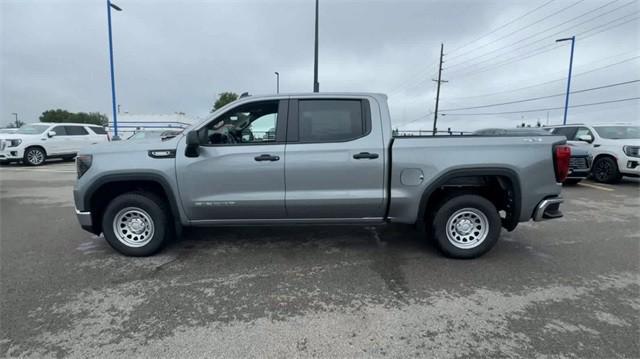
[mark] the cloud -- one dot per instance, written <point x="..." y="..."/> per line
<point x="176" y="56"/>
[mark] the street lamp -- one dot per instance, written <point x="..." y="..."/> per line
<point x="110" y="6"/>
<point x="316" y="84"/>
<point x="277" y="81"/>
<point x="566" y="100"/>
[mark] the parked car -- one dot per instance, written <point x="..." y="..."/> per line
<point x="579" y="163"/>
<point x="333" y="160"/>
<point x="153" y="134"/>
<point x="34" y="143"/>
<point x="524" y="131"/>
<point x="614" y="147"/>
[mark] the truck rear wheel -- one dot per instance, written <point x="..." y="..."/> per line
<point x="136" y="224"/>
<point x="466" y="226"/>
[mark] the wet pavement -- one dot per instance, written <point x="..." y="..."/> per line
<point x="565" y="288"/>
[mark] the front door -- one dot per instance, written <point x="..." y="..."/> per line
<point x="58" y="144"/>
<point x="334" y="160"/>
<point x="239" y="171"/>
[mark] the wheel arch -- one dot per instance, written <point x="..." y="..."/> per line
<point x="104" y="188"/>
<point x="36" y="146"/>
<point x="462" y="180"/>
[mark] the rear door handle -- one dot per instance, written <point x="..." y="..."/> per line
<point x="362" y="155"/>
<point x="266" y="157"/>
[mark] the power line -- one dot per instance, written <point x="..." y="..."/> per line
<point x="543" y="97"/>
<point x="519" y="42"/>
<point x="524" y="27"/>
<point x="545" y="48"/>
<point x="547" y="109"/>
<point x="503" y="26"/>
<point x="547" y="82"/>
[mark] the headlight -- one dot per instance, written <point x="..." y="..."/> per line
<point x="631" y="151"/>
<point x="14" y="143"/>
<point x="83" y="163"/>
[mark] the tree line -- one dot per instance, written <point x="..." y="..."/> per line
<point x="96" y="118"/>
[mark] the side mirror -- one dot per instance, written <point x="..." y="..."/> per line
<point x="51" y="133"/>
<point x="193" y="142"/>
<point x="585" y="138"/>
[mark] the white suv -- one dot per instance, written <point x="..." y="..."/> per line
<point x="34" y="143"/>
<point x="614" y="148"/>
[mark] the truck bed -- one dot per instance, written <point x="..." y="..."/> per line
<point x="421" y="161"/>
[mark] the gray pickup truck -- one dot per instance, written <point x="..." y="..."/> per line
<point x="328" y="158"/>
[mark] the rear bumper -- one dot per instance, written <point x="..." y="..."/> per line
<point x="579" y="173"/>
<point x="548" y="209"/>
<point x="85" y="220"/>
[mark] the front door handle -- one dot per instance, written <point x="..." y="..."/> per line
<point x="362" y="155"/>
<point x="266" y="157"/>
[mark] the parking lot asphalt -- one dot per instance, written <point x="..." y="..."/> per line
<point x="566" y="288"/>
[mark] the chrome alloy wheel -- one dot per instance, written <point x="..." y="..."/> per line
<point x="35" y="157"/>
<point x="133" y="227"/>
<point x="467" y="228"/>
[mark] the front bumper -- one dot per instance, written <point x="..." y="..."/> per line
<point x="11" y="154"/>
<point x="548" y="209"/>
<point x="85" y="220"/>
<point x="629" y="166"/>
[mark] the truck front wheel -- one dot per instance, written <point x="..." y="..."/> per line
<point x="136" y="224"/>
<point x="466" y="226"/>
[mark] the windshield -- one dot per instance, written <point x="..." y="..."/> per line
<point x="32" y="129"/>
<point x="618" y="132"/>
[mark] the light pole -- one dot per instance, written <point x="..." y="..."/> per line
<point x="566" y="100"/>
<point x="110" y="5"/>
<point x="316" y="84"/>
<point x="16" y="116"/>
<point x="277" y="81"/>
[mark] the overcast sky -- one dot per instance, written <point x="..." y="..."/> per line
<point x="177" y="55"/>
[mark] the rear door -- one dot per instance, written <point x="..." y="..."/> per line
<point x="334" y="162"/>
<point x="239" y="171"/>
<point x="77" y="138"/>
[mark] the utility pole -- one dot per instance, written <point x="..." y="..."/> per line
<point x="439" y="81"/>
<point x="277" y="82"/>
<point x="316" y="84"/>
<point x="16" y="121"/>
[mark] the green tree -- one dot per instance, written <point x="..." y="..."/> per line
<point x="59" y="115"/>
<point x="223" y="99"/>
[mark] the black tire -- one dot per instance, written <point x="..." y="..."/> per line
<point x="34" y="156"/>
<point x="605" y="170"/>
<point x="155" y="210"/>
<point x="572" y="181"/>
<point x="457" y="208"/>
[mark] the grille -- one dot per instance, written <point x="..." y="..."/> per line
<point x="578" y="163"/>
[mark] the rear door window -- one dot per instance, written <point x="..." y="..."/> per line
<point x="76" y="131"/>
<point x="330" y="120"/>
<point x="98" y="130"/>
